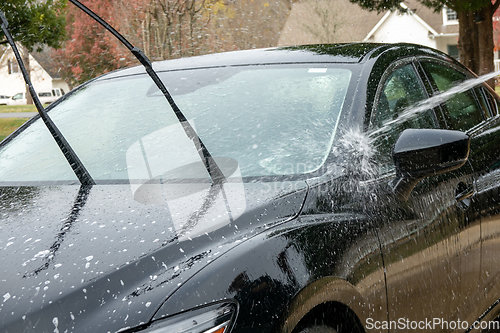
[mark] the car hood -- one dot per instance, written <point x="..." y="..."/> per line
<point x="103" y="258"/>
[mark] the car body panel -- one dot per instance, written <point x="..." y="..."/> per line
<point x="264" y="272"/>
<point x="422" y="230"/>
<point x="334" y="53"/>
<point x="70" y="246"/>
<point x="485" y="161"/>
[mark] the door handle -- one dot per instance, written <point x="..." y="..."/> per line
<point x="463" y="193"/>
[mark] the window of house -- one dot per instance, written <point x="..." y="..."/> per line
<point x="13" y="66"/>
<point x="453" y="51"/>
<point x="449" y="16"/>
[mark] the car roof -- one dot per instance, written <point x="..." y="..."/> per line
<point x="350" y="53"/>
<point x="326" y="53"/>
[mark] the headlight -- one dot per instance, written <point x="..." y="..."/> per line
<point x="216" y="318"/>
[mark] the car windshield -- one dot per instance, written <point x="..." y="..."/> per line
<point x="258" y="120"/>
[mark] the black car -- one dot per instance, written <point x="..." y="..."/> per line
<point x="336" y="200"/>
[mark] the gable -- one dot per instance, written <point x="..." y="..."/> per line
<point x="11" y="79"/>
<point x="401" y="28"/>
<point x="348" y="22"/>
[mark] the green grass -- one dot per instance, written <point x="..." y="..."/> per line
<point x="17" y="108"/>
<point x="9" y="125"/>
<point x="497" y="89"/>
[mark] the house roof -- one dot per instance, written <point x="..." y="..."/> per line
<point x="431" y="17"/>
<point x="45" y="60"/>
<point x="352" y="22"/>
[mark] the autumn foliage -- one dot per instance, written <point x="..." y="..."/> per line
<point x="496" y="30"/>
<point x="90" y="50"/>
<point x="165" y="29"/>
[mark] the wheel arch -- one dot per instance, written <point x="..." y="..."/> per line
<point x="328" y="294"/>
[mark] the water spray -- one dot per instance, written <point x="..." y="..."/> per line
<point x="432" y="102"/>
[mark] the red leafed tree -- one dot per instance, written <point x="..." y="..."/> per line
<point x="496" y="31"/>
<point x="90" y="50"/>
<point x="165" y="29"/>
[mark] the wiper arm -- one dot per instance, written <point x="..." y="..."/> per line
<point x="68" y="152"/>
<point x="213" y="169"/>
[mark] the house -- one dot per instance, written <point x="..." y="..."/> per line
<point x="327" y="21"/>
<point x="44" y="75"/>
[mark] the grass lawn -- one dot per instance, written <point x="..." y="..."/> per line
<point x="9" y="125"/>
<point x="17" y="108"/>
<point x="497" y="89"/>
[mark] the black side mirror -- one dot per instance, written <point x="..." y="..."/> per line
<point x="421" y="153"/>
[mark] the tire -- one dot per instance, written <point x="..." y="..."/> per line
<point x="318" y="329"/>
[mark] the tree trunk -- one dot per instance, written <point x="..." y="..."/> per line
<point x="485" y="43"/>
<point x="467" y="47"/>
<point x="26" y="62"/>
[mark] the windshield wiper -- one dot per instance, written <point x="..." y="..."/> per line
<point x="213" y="169"/>
<point x="68" y="152"/>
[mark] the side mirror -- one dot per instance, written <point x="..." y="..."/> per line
<point x="420" y="153"/>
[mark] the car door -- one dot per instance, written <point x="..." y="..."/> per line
<point x="476" y="111"/>
<point x="426" y="237"/>
<point x="486" y="164"/>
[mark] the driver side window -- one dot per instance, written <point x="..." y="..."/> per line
<point x="401" y="90"/>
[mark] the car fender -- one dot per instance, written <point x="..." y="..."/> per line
<point x="327" y="289"/>
<point x="250" y="274"/>
<point x="269" y="276"/>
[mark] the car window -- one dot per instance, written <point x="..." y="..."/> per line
<point x="267" y="120"/>
<point x="400" y="91"/>
<point x="483" y="102"/>
<point x="462" y="111"/>
<point x="492" y="102"/>
<point x="34" y="156"/>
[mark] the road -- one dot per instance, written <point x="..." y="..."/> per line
<point x="17" y="114"/>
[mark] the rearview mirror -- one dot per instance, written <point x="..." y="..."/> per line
<point x="420" y="153"/>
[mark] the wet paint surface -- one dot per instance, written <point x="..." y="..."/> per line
<point x="71" y="255"/>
